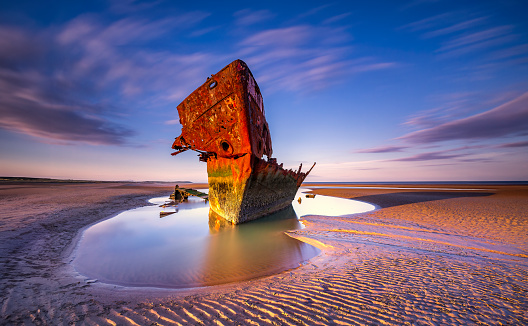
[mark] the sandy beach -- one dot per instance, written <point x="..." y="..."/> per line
<point x="428" y="255"/>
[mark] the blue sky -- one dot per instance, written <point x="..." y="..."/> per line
<point x="418" y="90"/>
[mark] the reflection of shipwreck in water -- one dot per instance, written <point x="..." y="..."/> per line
<point x="224" y="121"/>
<point x="181" y="195"/>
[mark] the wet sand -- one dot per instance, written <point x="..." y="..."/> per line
<point x="425" y="257"/>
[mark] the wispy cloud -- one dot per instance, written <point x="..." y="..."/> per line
<point x="478" y="42"/>
<point x="507" y="119"/>
<point x="172" y="122"/>
<point x="72" y="83"/>
<point x="337" y="18"/>
<point x="476" y="37"/>
<point x="456" y="27"/>
<point x="514" y="144"/>
<point x="427" y="23"/>
<point x="464" y="154"/>
<point x="427" y="118"/>
<point x="36" y="104"/>
<point x="383" y="149"/>
<point x="430" y="156"/>
<point x="461" y="33"/>
<point x="131" y="6"/>
<point x="305" y="57"/>
<point x="516" y="51"/>
<point x="313" y="11"/>
<point x="246" y="17"/>
<point x="448" y="107"/>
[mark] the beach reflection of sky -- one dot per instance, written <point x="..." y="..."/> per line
<point x="328" y="206"/>
<point x="187" y="249"/>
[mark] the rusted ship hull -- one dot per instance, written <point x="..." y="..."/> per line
<point x="248" y="187"/>
<point x="224" y="121"/>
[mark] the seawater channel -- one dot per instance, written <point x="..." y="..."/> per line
<point x="187" y="249"/>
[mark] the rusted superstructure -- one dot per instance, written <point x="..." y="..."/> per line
<point x="224" y="121"/>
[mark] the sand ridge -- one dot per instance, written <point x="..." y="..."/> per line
<point x="378" y="277"/>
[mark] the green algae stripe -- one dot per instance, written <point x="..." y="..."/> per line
<point x="226" y="172"/>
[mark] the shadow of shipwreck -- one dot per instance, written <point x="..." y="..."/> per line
<point x="405" y="198"/>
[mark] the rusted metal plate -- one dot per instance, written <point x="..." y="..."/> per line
<point x="225" y="116"/>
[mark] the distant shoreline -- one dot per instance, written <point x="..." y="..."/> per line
<point x="51" y="180"/>
<point x="425" y="183"/>
<point x="319" y="183"/>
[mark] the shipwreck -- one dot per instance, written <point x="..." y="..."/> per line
<point x="223" y="120"/>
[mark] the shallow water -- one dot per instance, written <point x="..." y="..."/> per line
<point x="191" y="248"/>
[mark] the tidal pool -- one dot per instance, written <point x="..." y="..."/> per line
<point x="192" y="248"/>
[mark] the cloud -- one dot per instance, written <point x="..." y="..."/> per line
<point x="304" y="57"/>
<point x="383" y="149"/>
<point x="337" y="18"/>
<point x="416" y="3"/>
<point x="172" y="122"/>
<point x="75" y="82"/>
<point x="507" y="119"/>
<point x="426" y="23"/>
<point x="430" y="156"/>
<point x="62" y="124"/>
<point x="313" y="11"/>
<point x="246" y="17"/>
<point x="428" y="118"/>
<point x="289" y="36"/>
<point x="450" y="106"/>
<point x="35" y="104"/>
<point x="456" y="27"/>
<point x="26" y="108"/>
<point x="114" y="53"/>
<point x="129" y="6"/>
<point x="514" y="145"/>
<point x="461" y="33"/>
<point x="476" y="37"/>
<point x="520" y="51"/>
<point x="478" y="42"/>
<point x="17" y="45"/>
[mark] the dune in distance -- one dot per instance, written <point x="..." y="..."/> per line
<point x="429" y="254"/>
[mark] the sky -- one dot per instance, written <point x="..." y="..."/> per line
<point x="373" y="91"/>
